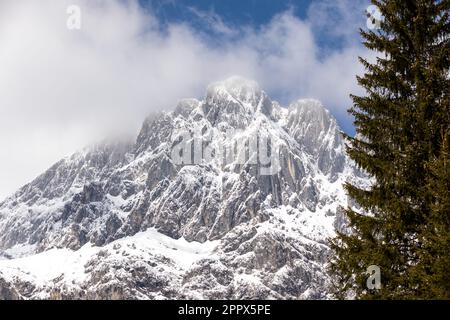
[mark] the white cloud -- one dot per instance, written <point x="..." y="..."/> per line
<point x="62" y="89"/>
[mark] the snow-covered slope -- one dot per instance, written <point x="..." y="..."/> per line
<point x="139" y="220"/>
<point x="59" y="273"/>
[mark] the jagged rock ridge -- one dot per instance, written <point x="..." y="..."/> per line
<point x="115" y="212"/>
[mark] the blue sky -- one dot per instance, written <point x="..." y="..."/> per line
<point x="236" y="14"/>
<point x="256" y="12"/>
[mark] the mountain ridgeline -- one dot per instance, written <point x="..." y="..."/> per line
<point x="109" y="219"/>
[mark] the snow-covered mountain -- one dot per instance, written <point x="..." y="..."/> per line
<point x="137" y="220"/>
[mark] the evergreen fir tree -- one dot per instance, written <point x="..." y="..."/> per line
<point x="432" y="272"/>
<point x="399" y="124"/>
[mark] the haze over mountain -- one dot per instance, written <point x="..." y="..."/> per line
<point x="62" y="89"/>
<point x="125" y="219"/>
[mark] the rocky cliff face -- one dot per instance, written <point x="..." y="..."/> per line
<point x="230" y="197"/>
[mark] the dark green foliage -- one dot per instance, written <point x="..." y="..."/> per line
<point x="402" y="123"/>
<point x="433" y="272"/>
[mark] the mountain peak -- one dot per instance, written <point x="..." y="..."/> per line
<point x="238" y="88"/>
<point x="311" y="111"/>
<point x="313" y="105"/>
<point x="263" y="198"/>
